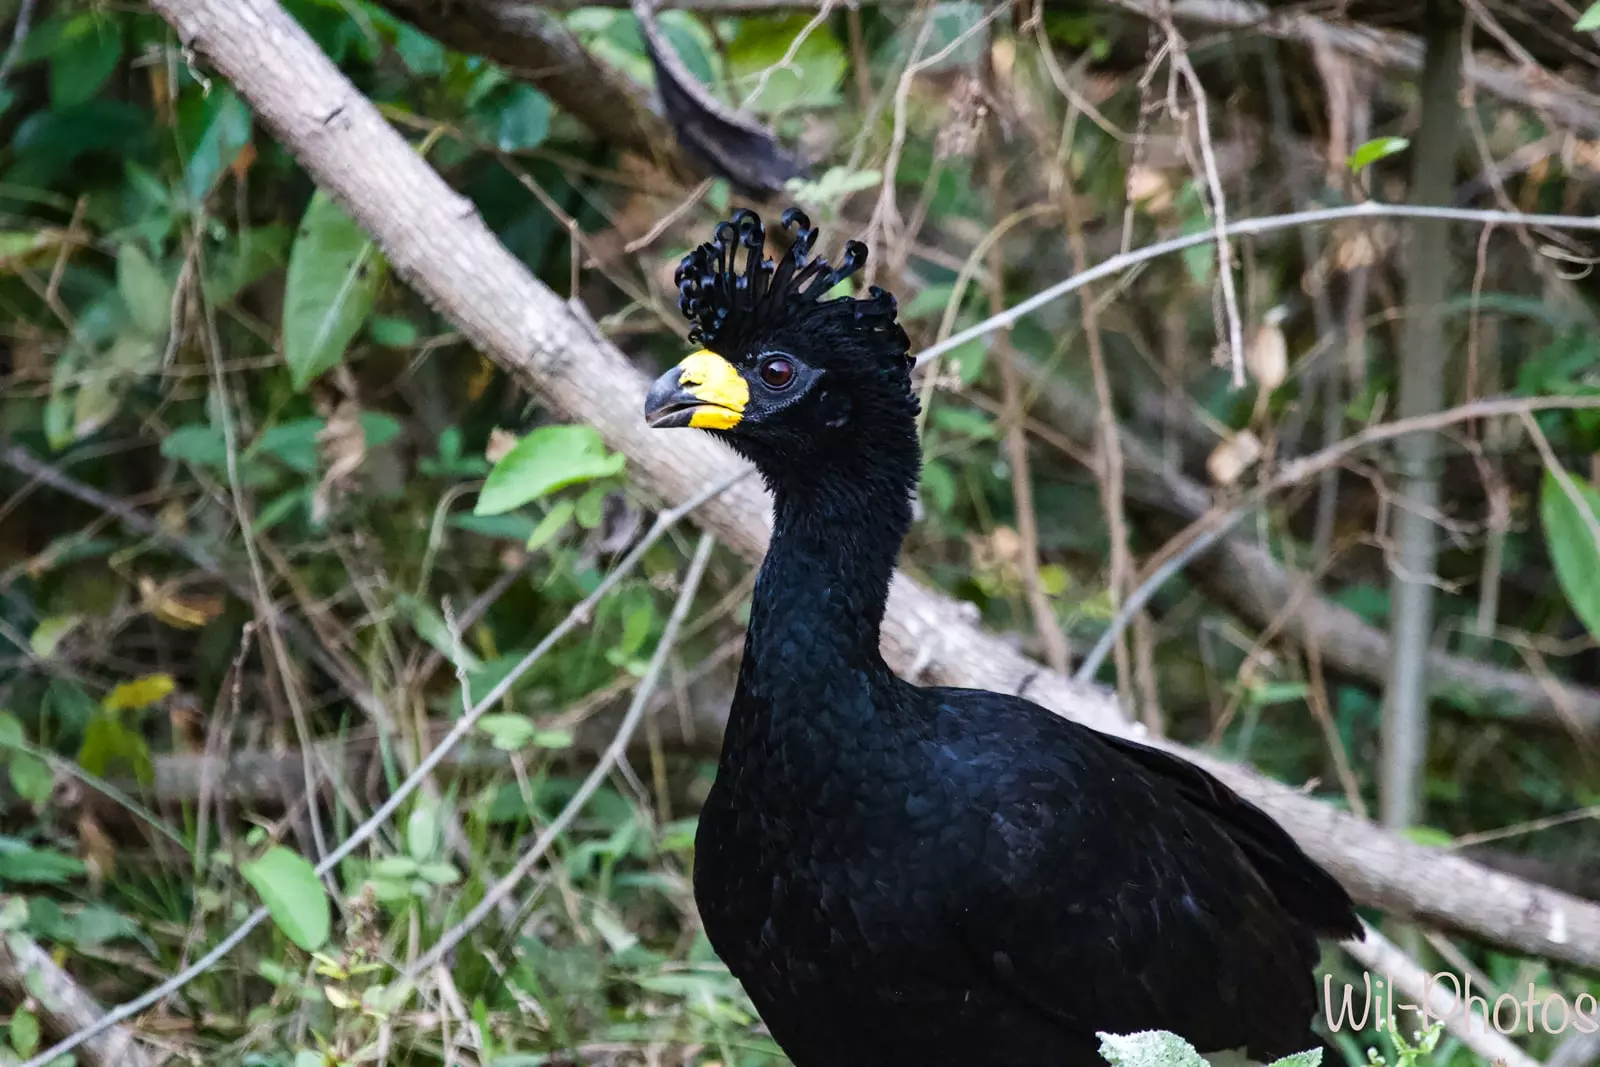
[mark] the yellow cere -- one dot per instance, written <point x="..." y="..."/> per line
<point x="708" y="377"/>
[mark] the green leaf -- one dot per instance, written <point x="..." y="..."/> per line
<point x="224" y="130"/>
<point x="144" y="290"/>
<point x="419" y="52"/>
<point x="439" y="873"/>
<point x="23" y="864"/>
<point x="554" y="521"/>
<point x="523" y="120"/>
<point x="1309" y="1058"/>
<point x="333" y="278"/>
<point x="84" y="59"/>
<point x="809" y="79"/>
<point x="31" y="778"/>
<point x="1376" y="149"/>
<point x="422" y="833"/>
<point x="1572" y="544"/>
<point x="391" y="332"/>
<point x="24" y="1032"/>
<point x="1431" y="836"/>
<point x="1589" y="20"/>
<point x="201" y="445"/>
<point x="293" y="443"/>
<point x="549" y="458"/>
<point x="139" y="693"/>
<point x="394" y="867"/>
<point x="293" y="894"/>
<point x="111" y="749"/>
<point x="508" y="732"/>
<point x="1149" y="1048"/>
<point x="939" y="485"/>
<point x="47" y="636"/>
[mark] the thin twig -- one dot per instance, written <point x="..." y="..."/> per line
<point x="1218" y="203"/>
<point x="19" y="36"/>
<point x="1208" y="528"/>
<point x="1368" y="209"/>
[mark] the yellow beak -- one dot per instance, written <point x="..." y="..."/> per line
<point x="704" y="391"/>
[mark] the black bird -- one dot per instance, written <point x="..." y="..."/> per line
<point x="931" y="876"/>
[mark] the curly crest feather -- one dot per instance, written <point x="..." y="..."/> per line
<point x="732" y="309"/>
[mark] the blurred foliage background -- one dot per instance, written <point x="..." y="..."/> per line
<point x="265" y="517"/>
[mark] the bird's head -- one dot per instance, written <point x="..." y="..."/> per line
<point x="797" y="383"/>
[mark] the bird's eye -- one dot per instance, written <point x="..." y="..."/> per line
<point x="777" y="373"/>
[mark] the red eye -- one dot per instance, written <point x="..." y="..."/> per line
<point x="777" y="373"/>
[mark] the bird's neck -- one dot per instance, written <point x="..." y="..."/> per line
<point x="819" y="597"/>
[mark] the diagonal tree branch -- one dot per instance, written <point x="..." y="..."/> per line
<point x="439" y="244"/>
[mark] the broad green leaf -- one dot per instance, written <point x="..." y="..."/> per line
<point x="1431" y="836"/>
<point x="1589" y="20"/>
<point x="224" y="129"/>
<point x="17" y="245"/>
<point x="439" y="873"/>
<point x="144" y="290"/>
<point x="809" y="79"/>
<point x="94" y="405"/>
<point x="523" y="120"/>
<point x="378" y="428"/>
<point x="97" y="925"/>
<point x="423" y="55"/>
<point x="391" y="332"/>
<point x="422" y="833"/>
<point x="24" y="1032"/>
<point x="333" y="278"/>
<point x="47" y="636"/>
<point x="293" y="894"/>
<point x="1311" y="1057"/>
<point x="22" y="864"/>
<point x="1572" y="543"/>
<point x="554" y="521"/>
<point x="132" y="353"/>
<point x="139" y="693"/>
<point x="549" y="458"/>
<point x="31" y="777"/>
<point x="939" y="485"/>
<point x="394" y="867"/>
<point x="111" y="749"/>
<point x="293" y="443"/>
<point x="201" y="445"/>
<point x="504" y="527"/>
<point x="1376" y="149"/>
<point x="83" y="59"/>
<point x="508" y="732"/>
<point x="1149" y="1048"/>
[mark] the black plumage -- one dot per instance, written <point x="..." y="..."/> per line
<point x="932" y="876"/>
